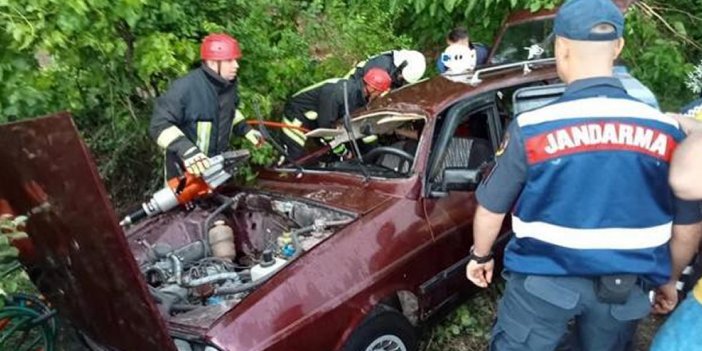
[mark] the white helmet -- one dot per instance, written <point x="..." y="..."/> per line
<point x="458" y="58"/>
<point x="415" y="67"/>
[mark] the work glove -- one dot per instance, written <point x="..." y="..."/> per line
<point x="255" y="137"/>
<point x="341" y="150"/>
<point x="197" y="163"/>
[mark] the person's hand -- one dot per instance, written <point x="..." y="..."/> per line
<point x="255" y="137"/>
<point x="480" y="274"/>
<point x="197" y="164"/>
<point x="666" y="298"/>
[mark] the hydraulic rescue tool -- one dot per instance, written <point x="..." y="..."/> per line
<point x="183" y="189"/>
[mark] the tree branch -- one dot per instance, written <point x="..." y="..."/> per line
<point x="126" y="34"/>
<point x="646" y="8"/>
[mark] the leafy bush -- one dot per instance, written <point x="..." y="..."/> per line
<point x="12" y="277"/>
<point x="105" y="61"/>
<point x="468" y="327"/>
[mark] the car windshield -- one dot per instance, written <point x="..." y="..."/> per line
<point x="525" y="41"/>
<point x="387" y="141"/>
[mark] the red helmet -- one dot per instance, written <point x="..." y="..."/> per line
<point x="377" y="79"/>
<point x="219" y="47"/>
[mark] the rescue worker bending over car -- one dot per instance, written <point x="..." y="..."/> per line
<point x="194" y="119"/>
<point x="322" y="105"/>
<point x="403" y="66"/>
<point x="586" y="180"/>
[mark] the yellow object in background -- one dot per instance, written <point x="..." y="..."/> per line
<point x="697" y="291"/>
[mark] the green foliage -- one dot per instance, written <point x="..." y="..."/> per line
<point x="261" y="156"/>
<point x="105" y="61"/>
<point x="660" y="53"/>
<point x="468" y="327"/>
<point x="429" y="21"/>
<point x="12" y="277"/>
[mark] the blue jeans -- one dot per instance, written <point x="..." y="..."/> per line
<point x="535" y="311"/>
<point x="683" y="329"/>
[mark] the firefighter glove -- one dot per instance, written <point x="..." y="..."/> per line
<point x="197" y="163"/>
<point x="255" y="137"/>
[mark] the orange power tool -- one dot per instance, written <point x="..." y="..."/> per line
<point x="183" y="189"/>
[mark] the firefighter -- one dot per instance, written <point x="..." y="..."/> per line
<point x="403" y="66"/>
<point x="194" y="119"/>
<point x="596" y="224"/>
<point x="322" y="105"/>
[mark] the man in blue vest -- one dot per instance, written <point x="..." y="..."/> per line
<point x="585" y="178"/>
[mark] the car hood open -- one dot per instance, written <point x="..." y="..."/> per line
<point x="84" y="266"/>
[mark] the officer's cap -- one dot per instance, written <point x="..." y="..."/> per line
<point x="578" y="19"/>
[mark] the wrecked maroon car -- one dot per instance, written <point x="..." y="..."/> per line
<point x="326" y="254"/>
<point x="379" y="246"/>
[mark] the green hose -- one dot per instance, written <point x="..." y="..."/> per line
<point x="22" y="321"/>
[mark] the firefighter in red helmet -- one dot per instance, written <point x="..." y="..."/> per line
<point x="322" y="105"/>
<point x="195" y="118"/>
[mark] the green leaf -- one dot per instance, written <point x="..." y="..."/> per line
<point x="449" y="5"/>
<point x="680" y="27"/>
<point x="419" y="5"/>
<point x="433" y="7"/>
<point x="471" y="5"/>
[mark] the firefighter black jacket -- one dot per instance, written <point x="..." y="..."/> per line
<point x="197" y="113"/>
<point x="322" y="105"/>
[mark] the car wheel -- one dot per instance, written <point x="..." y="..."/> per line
<point x="385" y="329"/>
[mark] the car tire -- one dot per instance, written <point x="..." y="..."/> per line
<point x="385" y="329"/>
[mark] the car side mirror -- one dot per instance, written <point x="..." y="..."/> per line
<point x="461" y="179"/>
<point x="458" y="179"/>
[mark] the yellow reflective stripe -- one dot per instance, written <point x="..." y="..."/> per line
<point x="311" y="115"/>
<point x="339" y="149"/>
<point x="168" y="136"/>
<point x="369" y="139"/>
<point x="363" y="63"/>
<point x="252" y="136"/>
<point x="204" y="129"/>
<point x="238" y="117"/>
<point x="292" y="121"/>
<point x="317" y="85"/>
<point x="698" y="291"/>
<point x="297" y="123"/>
<point x="356" y="67"/>
<point x="295" y="137"/>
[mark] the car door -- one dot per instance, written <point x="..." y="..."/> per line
<point x="466" y="138"/>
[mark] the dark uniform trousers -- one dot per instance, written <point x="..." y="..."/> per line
<point x="535" y="311"/>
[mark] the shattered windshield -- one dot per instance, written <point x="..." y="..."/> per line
<point x="526" y="41"/>
<point x="387" y="141"/>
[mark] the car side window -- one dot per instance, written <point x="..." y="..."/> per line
<point x="469" y="144"/>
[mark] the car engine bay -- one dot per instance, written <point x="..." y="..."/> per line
<point x="215" y="254"/>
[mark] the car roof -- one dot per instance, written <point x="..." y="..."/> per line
<point x="433" y="95"/>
